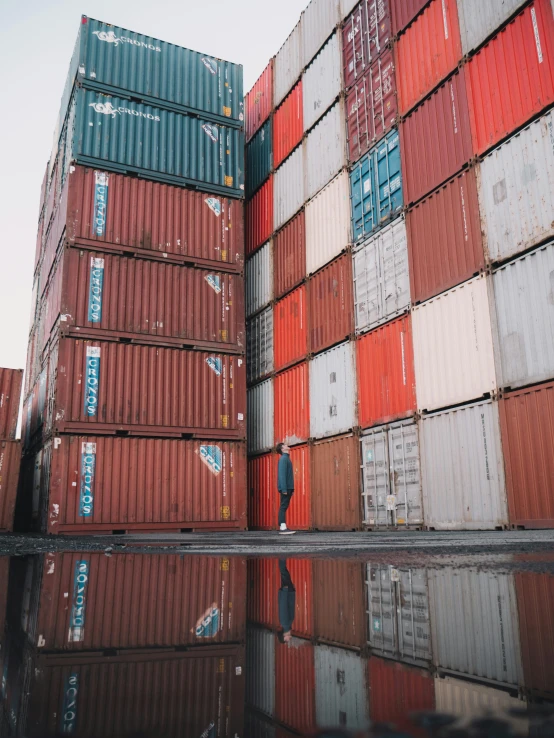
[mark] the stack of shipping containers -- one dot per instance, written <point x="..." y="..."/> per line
<point x="135" y="396"/>
<point x="10" y="449"/>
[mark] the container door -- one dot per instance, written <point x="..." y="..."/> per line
<point x="395" y="281"/>
<point x="375" y="478"/>
<point x="414" y="630"/>
<point x="37" y="485"/>
<point x="367" y="286"/>
<point x="381" y="610"/>
<point x="405" y="478"/>
<point x="363" y="199"/>
<point x="389" y="179"/>
<point x="341" y="694"/>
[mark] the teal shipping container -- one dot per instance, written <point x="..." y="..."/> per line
<point x="259" y="159"/>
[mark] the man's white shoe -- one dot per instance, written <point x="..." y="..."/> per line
<point x="284" y="531"/>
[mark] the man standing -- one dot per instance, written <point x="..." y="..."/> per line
<point x="285" y="485"/>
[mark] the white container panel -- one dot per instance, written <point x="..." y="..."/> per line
<point x="479" y="20"/>
<point x="453" y="346"/>
<point x="462" y="468"/>
<point x="259" y="279"/>
<point x="474" y="624"/>
<point x="318" y="21"/>
<point x="346" y="7"/>
<point x="260" y="417"/>
<point x="333" y="392"/>
<point x="260" y="670"/>
<point x="288" y="188"/>
<point x="321" y="83"/>
<point x="341" y="689"/>
<point x="325" y="150"/>
<point x="524" y="298"/>
<point x="328" y="223"/>
<point x="516" y="191"/>
<point x="288" y="65"/>
<point x="259" y="345"/>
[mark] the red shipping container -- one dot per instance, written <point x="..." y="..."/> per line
<point x="365" y="34"/>
<point x="371" y="106"/>
<point x="10" y="396"/>
<point x="292" y="405"/>
<point x="290" y="329"/>
<point x="339" y="603"/>
<point x="10" y="461"/>
<point x="331" y="304"/>
<point x="288" y="125"/>
<point x="335" y="477"/>
<point x="112" y="387"/>
<point x="511" y="78"/>
<point x="398" y="691"/>
<point x="386" y="380"/>
<point x="96" y="483"/>
<point x="299" y="514"/>
<point x="262" y="592"/>
<point x="262" y="492"/>
<point x="435" y="139"/>
<point x="403" y="12"/>
<point x="427" y="52"/>
<point x="445" y="244"/>
<point x="289" y="255"/>
<point x="258" y="102"/>
<point x="527" y="427"/>
<point x="295" y="685"/>
<point x="259" y="217"/>
<point x="535" y="604"/>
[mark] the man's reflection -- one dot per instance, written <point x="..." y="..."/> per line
<point x="287" y="603"/>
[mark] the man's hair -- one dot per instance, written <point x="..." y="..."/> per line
<point x="279" y="448"/>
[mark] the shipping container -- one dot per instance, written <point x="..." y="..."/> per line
<point x="299" y="516"/>
<point x="404" y="11"/>
<point x="525" y="318"/>
<point x="427" y="51"/>
<point x="262" y="589"/>
<point x="259" y="159"/>
<point x="258" y="102"/>
<point x="288" y="64"/>
<point x="435" y="139"/>
<point x="259" y="279"/>
<point x="328" y="223"/>
<point x="257" y="727"/>
<point x="346" y="7"/>
<point x="10" y="395"/>
<point x="333" y="391"/>
<point x="260" y="670"/>
<point x="292" y="406"/>
<point x="259" y="217"/>
<point x="319" y="19"/>
<point x="262" y="495"/>
<point x="288" y="125"/>
<point x="260" y="417"/>
<point x="484" y="644"/>
<point x="516" y="186"/>
<point x="290" y="325"/>
<point x="391" y="477"/>
<point x="371" y="106"/>
<point x="398" y="692"/>
<point x="453" y="346"/>
<point x="259" y="345"/>
<point x="535" y="600"/>
<point x="527" y="440"/>
<point x="322" y="80"/>
<point x="34" y="411"/>
<point x="289" y="254"/>
<point x="338" y="586"/>
<point x="341" y="689"/>
<point x="380" y="277"/>
<point x="385" y="373"/>
<point x="295" y="685"/>
<point x="511" y="78"/>
<point x="444" y="237"/>
<point x="479" y="20"/>
<point x="288" y="188"/>
<point x="325" y="150"/>
<point x="365" y="35"/>
<point x="335" y="467"/>
<point x="376" y="187"/>
<point x="330" y="304"/>
<point x="10" y="461"/>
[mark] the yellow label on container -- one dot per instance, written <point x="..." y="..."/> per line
<point x="226" y="111"/>
<point x="224" y="255"/>
<point x="223" y="334"/>
<point x="225" y="421"/>
<point x="221" y="666"/>
<point x="228" y="181"/>
<point x="400" y="521"/>
<point x="226" y="515"/>
<point x="225" y="562"/>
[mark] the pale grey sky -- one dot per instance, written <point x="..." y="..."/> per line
<point x="36" y="42"/>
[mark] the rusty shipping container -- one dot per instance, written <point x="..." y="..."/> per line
<point x="290" y="329"/>
<point x="10" y="460"/>
<point x="258" y="102"/>
<point x="289" y="254"/>
<point x="295" y="685"/>
<point x="288" y="125"/>
<point x="339" y="607"/>
<point x="259" y="217"/>
<point x="331" y="304"/>
<point x="335" y="476"/>
<point x="10" y="395"/>
<point x="292" y="405"/>
<point x="445" y="245"/>
<point x="101" y="387"/>
<point x="262" y="492"/>
<point x="403" y="13"/>
<point x="535" y="603"/>
<point x="299" y="514"/>
<point x="365" y="35"/>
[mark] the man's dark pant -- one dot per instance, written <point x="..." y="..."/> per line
<point x="285" y="502"/>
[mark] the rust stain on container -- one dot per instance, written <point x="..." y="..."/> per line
<point x="288" y="125"/>
<point x="336" y="498"/>
<point x="258" y="102"/>
<point x="10" y="460"/>
<point x="292" y="406"/>
<point x="331" y="304"/>
<point x="262" y="492"/>
<point x="10" y="395"/>
<point x="535" y="604"/>
<point x="290" y="255"/>
<point x="295" y="685"/>
<point x="290" y="329"/>
<point x="339" y="607"/>
<point x="259" y="217"/>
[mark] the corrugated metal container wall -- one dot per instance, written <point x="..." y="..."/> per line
<point x="288" y="125"/>
<point x="330" y="304"/>
<point x="295" y="684"/>
<point x="335" y="485"/>
<point x="444" y="238"/>
<point x="341" y="689"/>
<point x="516" y="191"/>
<point x="333" y="391"/>
<point x="322" y="81"/>
<point x="339" y="609"/>
<point x="10" y="395"/>
<point x="262" y="492"/>
<point x="527" y="423"/>
<point x="259" y="159"/>
<point x="479" y="20"/>
<point x="365" y="34"/>
<point x="346" y="7"/>
<point x="385" y="372"/>
<point x="262" y="590"/>
<point x="260" y="417"/>
<point x="260" y="672"/>
<point x="397" y="692"/>
<point x="288" y="191"/>
<point x="288" y="64"/>
<point x="371" y="106"/>
<point x="256" y="727"/>
<point x="292" y="406"/>
<point x="453" y="346"/>
<point x="259" y="279"/>
<point x="259" y="217"/>
<point x="525" y="318"/>
<point x="328" y="223"/>
<point x="318" y="21"/>
<point x="518" y="62"/>
<point x="435" y="139"/>
<point x="258" y="102"/>
<point x="289" y="255"/>
<point x="10" y="461"/>
<point x="462" y="469"/>
<point x="264" y="581"/>
<point x="427" y="52"/>
<point x="94" y="483"/>
<point x="535" y="599"/>
<point x="259" y="345"/>
<point x="380" y="277"/>
<point x="290" y="321"/>
<point x="300" y="518"/>
<point x="485" y="644"/>
<point x="403" y="12"/>
<point x="325" y="150"/>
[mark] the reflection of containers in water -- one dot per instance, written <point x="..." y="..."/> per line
<point x="260" y="417"/>
<point x="262" y="605"/>
<point x="259" y="279"/>
<point x="325" y="150"/>
<point x="321" y="82"/>
<point x="290" y="328"/>
<point x="328" y="223"/>
<point x="341" y="688"/>
<point x="262" y="492"/>
<point x="339" y="603"/>
<point x="319" y="19"/>
<point x="289" y="255"/>
<point x="365" y="35"/>
<point x="10" y="395"/>
<point x="259" y="345"/>
<point x="292" y="406"/>
<point x="335" y="475"/>
<point x="259" y="160"/>
<point x="535" y="594"/>
<point x="478" y="20"/>
<point x="330" y="304"/>
<point x="260" y="670"/>
<point x="258" y="102"/>
<point x="288" y="125"/>
<point x="10" y="460"/>
<point x="295" y="684"/>
<point x="259" y="216"/>
<point x="333" y="391"/>
<point x="288" y="64"/>
<point x="288" y="188"/>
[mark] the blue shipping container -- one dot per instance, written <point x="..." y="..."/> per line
<point x="259" y="159"/>
<point x="376" y="187"/>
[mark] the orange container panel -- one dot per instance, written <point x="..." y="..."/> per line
<point x="336" y="494"/>
<point x="299" y="515"/>
<point x="289" y="254"/>
<point x="259" y="217"/>
<point x="258" y="102"/>
<point x="10" y="395"/>
<point x="290" y="329"/>
<point x="288" y="125"/>
<point x="263" y="585"/>
<point x="301" y="574"/>
<point x="535" y="603"/>
<point x="10" y="461"/>
<point x="339" y="606"/>
<point x="292" y="405"/>
<point x="331" y="304"/>
<point x="262" y="492"/>
<point x="295" y="685"/>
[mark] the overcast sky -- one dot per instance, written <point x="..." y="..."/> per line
<point x="36" y="42"/>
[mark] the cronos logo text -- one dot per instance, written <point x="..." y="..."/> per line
<point x="111" y="38"/>
<point x="108" y="109"/>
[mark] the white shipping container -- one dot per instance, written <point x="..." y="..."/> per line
<point x="288" y="188"/>
<point x="524" y="297"/>
<point x="341" y="689"/>
<point x="325" y="150"/>
<point x="328" y="223"/>
<point x="321" y="82"/>
<point x="453" y="346"/>
<point x="462" y="468"/>
<point x="332" y="391"/>
<point x="288" y="65"/>
<point x="318" y="21"/>
<point x="346" y="7"/>
<point x="479" y="20"/>
<point x="381" y="277"/>
<point x="516" y="191"/>
<point x="474" y="624"/>
<point x="260" y="670"/>
<point x="259" y="345"/>
<point x="260" y="417"/>
<point x="259" y="279"/>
